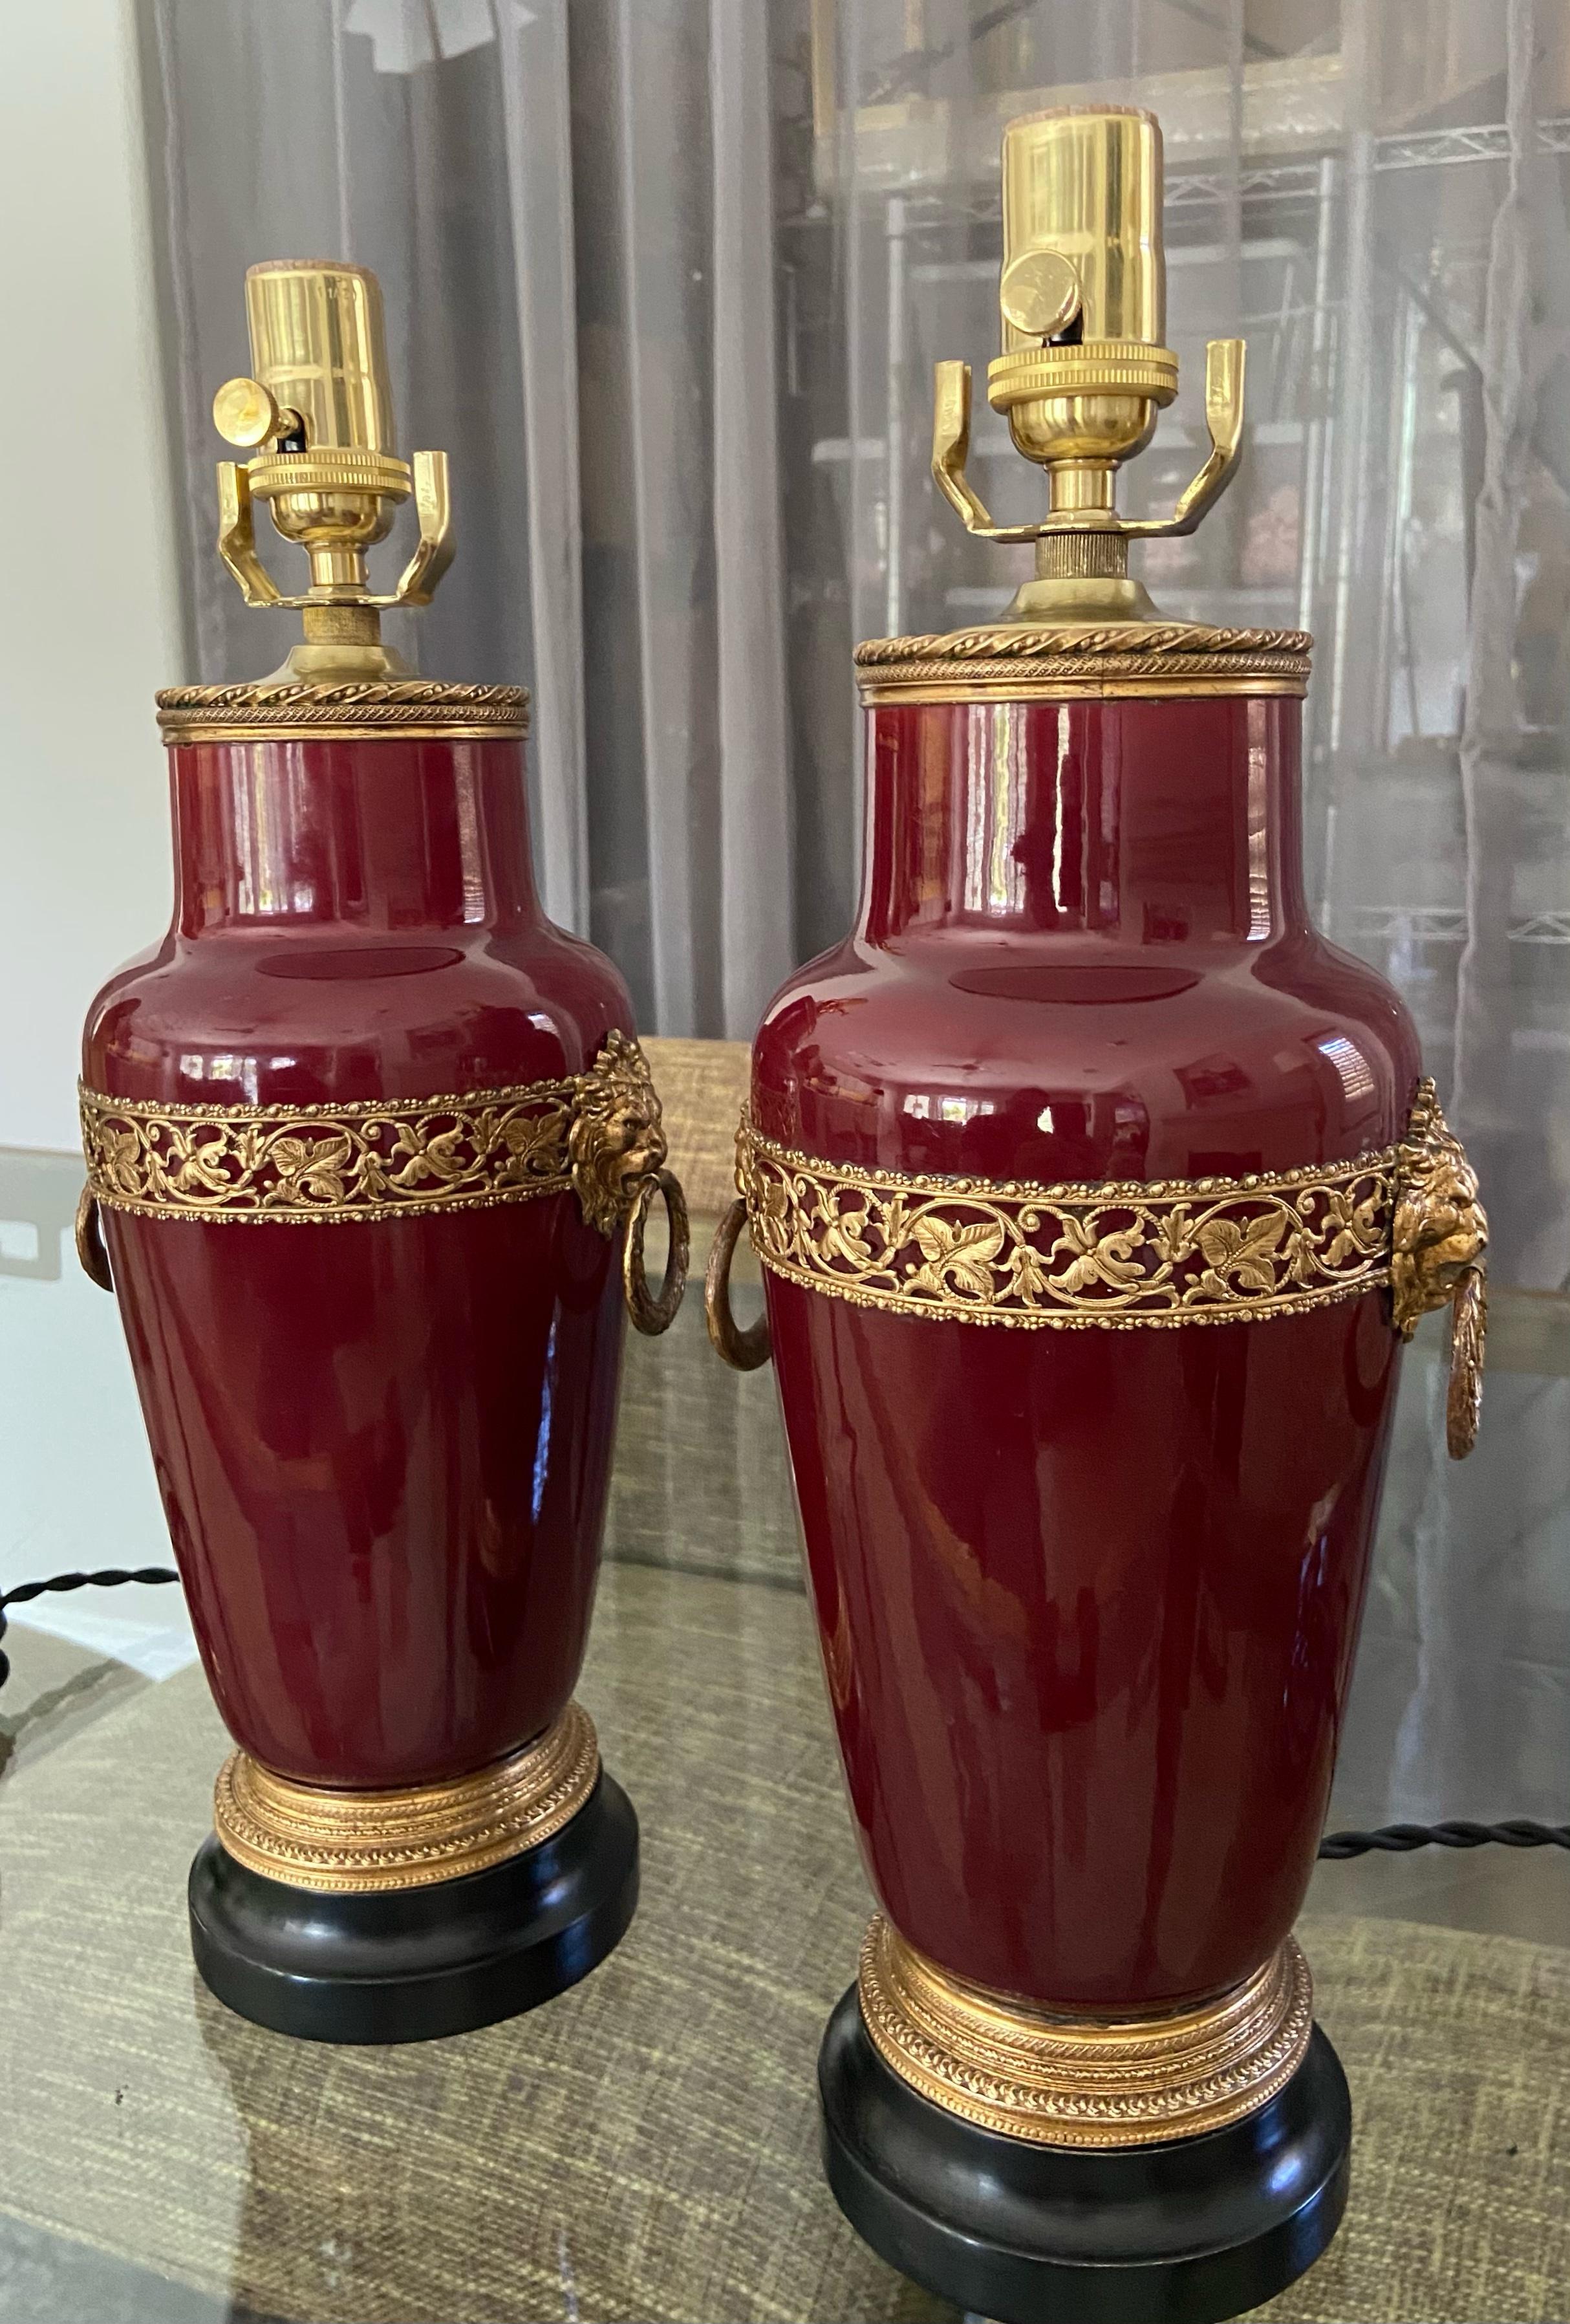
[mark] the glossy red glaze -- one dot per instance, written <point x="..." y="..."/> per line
<point x="382" y="1448"/>
<point x="1087" y="1600"/>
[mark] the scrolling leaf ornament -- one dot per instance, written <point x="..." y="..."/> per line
<point x="1127" y="1255"/>
<point x="598" y="1134"/>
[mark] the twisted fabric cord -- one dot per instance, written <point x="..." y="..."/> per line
<point x="109" y="1579"/>
<point x="1401" y="1838"/>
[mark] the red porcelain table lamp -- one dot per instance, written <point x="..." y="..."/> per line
<point x="1094" y="1193"/>
<point x="371" y="1146"/>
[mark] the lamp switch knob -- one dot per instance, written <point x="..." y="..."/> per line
<point x="1040" y="293"/>
<point x="245" y="412"/>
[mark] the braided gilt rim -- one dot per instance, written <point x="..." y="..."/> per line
<point x="1030" y="655"/>
<point x="362" y="708"/>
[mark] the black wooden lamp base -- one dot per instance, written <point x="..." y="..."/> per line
<point x="406" y="1964"/>
<point x="1186" y="2232"/>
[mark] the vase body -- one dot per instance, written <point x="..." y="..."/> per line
<point x="364" y="1137"/>
<point x="382" y="1446"/>
<point x="1088" y="1597"/>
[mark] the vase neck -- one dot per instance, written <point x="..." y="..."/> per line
<point x="371" y="837"/>
<point x="1140" y="823"/>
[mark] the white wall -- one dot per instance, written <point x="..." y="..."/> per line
<point x="89" y="622"/>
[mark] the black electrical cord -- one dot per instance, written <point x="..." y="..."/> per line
<point x="109" y="1579"/>
<point x="1336" y="1847"/>
<point x="1401" y="1838"/>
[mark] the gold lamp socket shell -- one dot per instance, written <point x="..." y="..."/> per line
<point x="1084" y="367"/>
<point x="318" y="412"/>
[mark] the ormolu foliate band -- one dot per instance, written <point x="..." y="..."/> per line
<point x="1145" y="1253"/>
<point x="1121" y="1257"/>
<point x="1064" y="2081"/>
<point x="311" y="1838"/>
<point x="594" y="1133"/>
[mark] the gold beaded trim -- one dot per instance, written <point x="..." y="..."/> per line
<point x="1037" y="661"/>
<point x="358" y="710"/>
<point x="1074" y="2081"/>
<point x="309" y="1838"/>
<point x="598" y="1134"/>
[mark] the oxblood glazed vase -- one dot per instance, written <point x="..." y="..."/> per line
<point x="1087" y="1598"/>
<point x="1094" y="1192"/>
<point x="382" y="1449"/>
<point x="364" y="1133"/>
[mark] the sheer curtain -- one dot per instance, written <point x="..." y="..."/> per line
<point x="571" y="211"/>
<point x="668" y="278"/>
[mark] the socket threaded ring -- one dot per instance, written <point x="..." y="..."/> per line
<point x="1094" y="367"/>
<point x="1081" y="555"/>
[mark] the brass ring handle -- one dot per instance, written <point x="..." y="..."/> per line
<point x="90" y="1247"/>
<point x="648" y="1314"/>
<point x="743" y="1350"/>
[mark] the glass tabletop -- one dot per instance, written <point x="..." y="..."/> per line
<point x="645" y="2146"/>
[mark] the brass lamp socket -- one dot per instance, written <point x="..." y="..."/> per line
<point x="320" y="413"/>
<point x="1084" y="368"/>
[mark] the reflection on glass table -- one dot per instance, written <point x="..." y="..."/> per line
<point x="644" y="2146"/>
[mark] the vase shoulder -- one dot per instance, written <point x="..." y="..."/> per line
<point x="353" y="919"/>
<point x="332" y="1014"/>
<point x="1061" y="1058"/>
<point x="1083" y="951"/>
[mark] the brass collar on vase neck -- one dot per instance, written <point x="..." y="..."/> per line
<point x="356" y="710"/>
<point x="1034" y="661"/>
